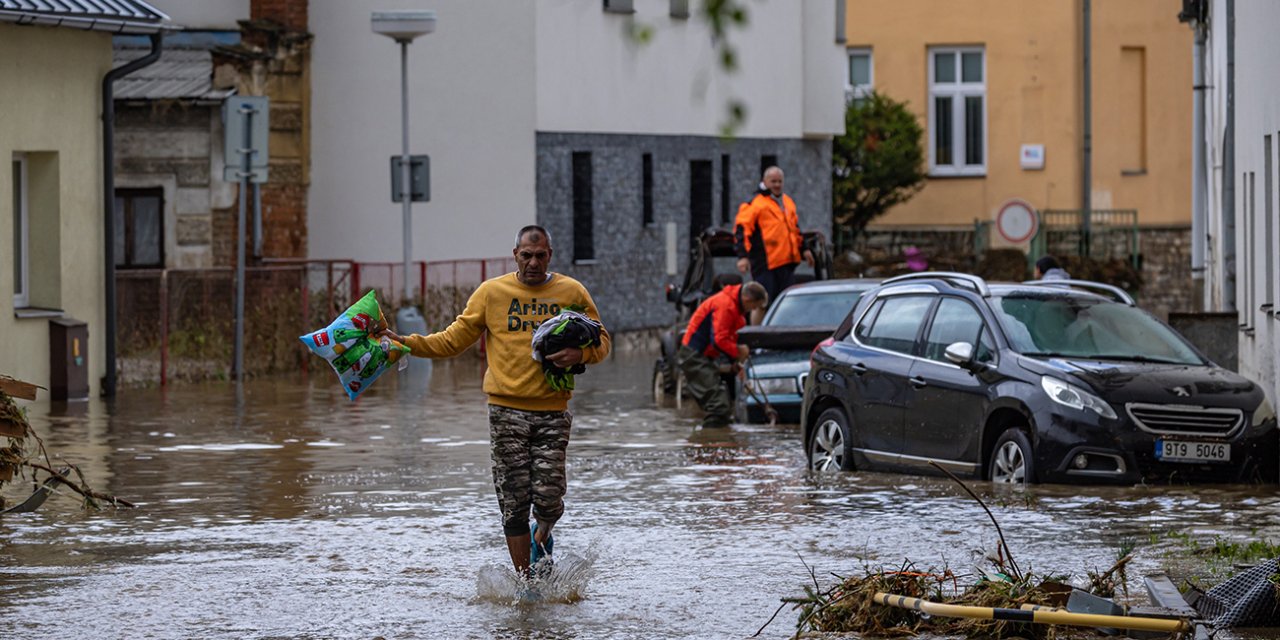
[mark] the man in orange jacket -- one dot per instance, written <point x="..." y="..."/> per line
<point x="767" y="237"/>
<point x="712" y="334"/>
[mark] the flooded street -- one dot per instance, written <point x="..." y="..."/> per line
<point x="297" y="513"/>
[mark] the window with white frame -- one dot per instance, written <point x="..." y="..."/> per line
<point x="957" y="111"/>
<point x="858" y="82"/>
<point x="21" y="259"/>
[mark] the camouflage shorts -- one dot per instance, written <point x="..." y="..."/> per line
<point x="528" y="450"/>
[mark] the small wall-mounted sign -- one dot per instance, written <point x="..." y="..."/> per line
<point x="1032" y="157"/>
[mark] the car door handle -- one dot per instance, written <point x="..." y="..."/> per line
<point x="918" y="382"/>
<point x="858" y="368"/>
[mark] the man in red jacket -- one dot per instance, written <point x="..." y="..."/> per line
<point x="767" y="236"/>
<point x="713" y="334"/>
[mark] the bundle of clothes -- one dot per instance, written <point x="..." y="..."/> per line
<point x="567" y="329"/>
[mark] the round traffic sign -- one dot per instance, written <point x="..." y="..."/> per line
<point x="1017" y="221"/>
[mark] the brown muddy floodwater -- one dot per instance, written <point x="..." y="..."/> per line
<point x="290" y="512"/>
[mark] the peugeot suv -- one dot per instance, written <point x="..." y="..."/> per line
<point x="1045" y="381"/>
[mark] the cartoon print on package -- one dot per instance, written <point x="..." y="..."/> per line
<point x="351" y="348"/>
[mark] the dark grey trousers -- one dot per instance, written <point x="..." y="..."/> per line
<point x="702" y="378"/>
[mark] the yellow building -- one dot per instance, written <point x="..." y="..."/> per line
<point x="52" y="63"/>
<point x="993" y="81"/>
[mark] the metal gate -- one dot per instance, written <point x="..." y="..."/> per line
<point x="1100" y="234"/>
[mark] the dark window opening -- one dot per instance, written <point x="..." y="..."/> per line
<point x="646" y="203"/>
<point x="700" y="178"/>
<point x="724" y="188"/>
<point x="139" y="233"/>
<point x="766" y="161"/>
<point x="583" y="240"/>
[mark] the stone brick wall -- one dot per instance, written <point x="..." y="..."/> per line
<point x="1164" y="258"/>
<point x="291" y="14"/>
<point x="628" y="275"/>
<point x="176" y="147"/>
<point x="1166" y="270"/>
<point x="274" y="61"/>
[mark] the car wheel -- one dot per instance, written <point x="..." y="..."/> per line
<point x="661" y="381"/>
<point x="1011" y="459"/>
<point x="829" y="444"/>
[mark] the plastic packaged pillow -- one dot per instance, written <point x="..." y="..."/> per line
<point x="351" y="348"/>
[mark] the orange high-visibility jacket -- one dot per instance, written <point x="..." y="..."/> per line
<point x="713" y="329"/>
<point x="767" y="235"/>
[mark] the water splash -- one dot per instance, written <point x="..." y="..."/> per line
<point x="565" y="583"/>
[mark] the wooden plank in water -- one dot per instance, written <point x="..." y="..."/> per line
<point x="17" y="388"/>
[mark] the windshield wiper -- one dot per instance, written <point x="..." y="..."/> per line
<point x="1050" y="354"/>
<point x="1103" y="356"/>
<point x="1135" y="358"/>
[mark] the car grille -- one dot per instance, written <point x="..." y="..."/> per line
<point x="1185" y="420"/>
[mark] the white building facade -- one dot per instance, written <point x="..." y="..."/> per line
<point x="1242" y="266"/>
<point x="509" y="97"/>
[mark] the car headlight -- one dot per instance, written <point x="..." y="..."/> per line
<point x="1072" y="396"/>
<point x="1264" y="412"/>
<point x="774" y="385"/>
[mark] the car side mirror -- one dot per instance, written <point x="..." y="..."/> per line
<point x="960" y="353"/>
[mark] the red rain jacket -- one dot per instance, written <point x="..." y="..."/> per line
<point x="713" y="329"/>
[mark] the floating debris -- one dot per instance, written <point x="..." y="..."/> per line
<point x="17" y="456"/>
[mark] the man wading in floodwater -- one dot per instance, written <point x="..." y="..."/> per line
<point x="529" y="421"/>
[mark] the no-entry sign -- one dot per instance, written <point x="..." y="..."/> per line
<point x="1017" y="221"/>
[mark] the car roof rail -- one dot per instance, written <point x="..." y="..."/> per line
<point x="965" y="279"/>
<point x="1120" y="294"/>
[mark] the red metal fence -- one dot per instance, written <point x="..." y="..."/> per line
<point x="179" y="322"/>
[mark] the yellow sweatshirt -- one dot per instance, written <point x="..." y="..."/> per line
<point x="510" y="311"/>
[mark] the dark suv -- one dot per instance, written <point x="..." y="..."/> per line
<point x="1046" y="381"/>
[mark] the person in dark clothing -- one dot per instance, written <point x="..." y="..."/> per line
<point x="1047" y="268"/>
<point x="712" y="335"/>
<point x="767" y="237"/>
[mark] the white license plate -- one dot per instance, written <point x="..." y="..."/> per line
<point x="1189" y="451"/>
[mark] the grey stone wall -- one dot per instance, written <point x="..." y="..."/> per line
<point x="628" y="275"/>
<point x="176" y="147"/>
<point x="1166" y="270"/>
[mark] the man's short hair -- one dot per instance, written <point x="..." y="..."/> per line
<point x="535" y="229"/>
<point x="772" y="168"/>
<point x="756" y="291"/>
<point x="1045" y="263"/>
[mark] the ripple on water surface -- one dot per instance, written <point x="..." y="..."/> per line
<point x="303" y="514"/>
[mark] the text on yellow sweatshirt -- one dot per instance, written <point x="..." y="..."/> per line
<point x="510" y="311"/>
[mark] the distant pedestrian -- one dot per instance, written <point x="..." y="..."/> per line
<point x="767" y="238"/>
<point x="916" y="260"/>
<point x="529" y="420"/>
<point x="1047" y="268"/>
<point x="712" y="335"/>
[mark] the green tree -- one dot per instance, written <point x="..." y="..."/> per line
<point x="877" y="163"/>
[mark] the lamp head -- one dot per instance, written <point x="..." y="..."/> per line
<point x="403" y="26"/>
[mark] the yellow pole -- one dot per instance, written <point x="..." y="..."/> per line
<point x="1038" y="616"/>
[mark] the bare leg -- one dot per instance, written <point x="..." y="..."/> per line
<point x="518" y="547"/>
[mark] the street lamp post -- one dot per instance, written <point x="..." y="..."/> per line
<point x="404" y="27"/>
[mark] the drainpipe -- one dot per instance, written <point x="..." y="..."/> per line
<point x="1200" y="178"/>
<point x="1086" y="155"/>
<point x="109" y="200"/>
<point x="1229" y="171"/>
